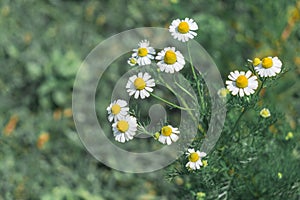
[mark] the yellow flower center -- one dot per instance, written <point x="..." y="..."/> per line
<point x="166" y="131"/>
<point x="132" y="61"/>
<point x="139" y="83"/>
<point x="183" y="27"/>
<point x="115" y="109"/>
<point x="193" y="157"/>
<point x="170" y="57"/>
<point x="256" y="61"/>
<point x="242" y="81"/>
<point x="122" y="126"/>
<point x="223" y="92"/>
<point x="267" y="63"/>
<point x="265" y="113"/>
<point x="142" y="52"/>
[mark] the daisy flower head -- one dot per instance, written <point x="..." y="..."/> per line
<point x="144" y="54"/>
<point x="241" y="83"/>
<point x="170" y="60"/>
<point x="168" y="134"/>
<point x="268" y="66"/>
<point x="132" y="61"/>
<point x="265" y="113"/>
<point x="222" y="93"/>
<point x="117" y="109"/>
<point x="125" y="128"/>
<point x="183" y="30"/>
<point x="194" y="159"/>
<point x="140" y="85"/>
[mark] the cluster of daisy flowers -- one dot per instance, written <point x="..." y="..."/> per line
<point x="124" y="125"/>
<point x="169" y="59"/>
<point x="141" y="86"/>
<point x="246" y="83"/>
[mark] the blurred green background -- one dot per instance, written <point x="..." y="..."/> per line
<point x="42" y="46"/>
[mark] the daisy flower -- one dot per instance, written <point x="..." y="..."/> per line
<point x="170" y="60"/>
<point x="183" y="30"/>
<point x="125" y="128"/>
<point x="194" y="159"/>
<point x="268" y="66"/>
<point x="144" y="54"/>
<point x="265" y="113"/>
<point x="132" y="61"/>
<point x="140" y="85"/>
<point x="222" y="93"/>
<point x="117" y="109"/>
<point x="241" y="83"/>
<point x="168" y="135"/>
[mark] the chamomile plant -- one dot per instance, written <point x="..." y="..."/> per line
<point x="248" y="122"/>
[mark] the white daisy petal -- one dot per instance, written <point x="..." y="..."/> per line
<point x="248" y="74"/>
<point x="174" y="137"/>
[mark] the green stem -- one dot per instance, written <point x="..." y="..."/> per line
<point x="143" y="130"/>
<point x="195" y="77"/>
<point x="169" y="103"/>
<point x="178" y="96"/>
<point x="237" y="122"/>
<point x="261" y="86"/>
<point x="183" y="89"/>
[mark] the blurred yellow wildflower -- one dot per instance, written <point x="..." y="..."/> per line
<point x="57" y="114"/>
<point x="290" y="135"/>
<point x="11" y="125"/>
<point x="205" y="163"/>
<point x="68" y="112"/>
<point x="42" y="140"/>
<point x="223" y="92"/>
<point x="200" y="196"/>
<point x="279" y="175"/>
<point x="5" y="10"/>
<point x="27" y="38"/>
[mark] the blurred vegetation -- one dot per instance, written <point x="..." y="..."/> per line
<point x="42" y="46"/>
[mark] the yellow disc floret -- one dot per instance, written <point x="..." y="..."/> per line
<point x="170" y="57"/>
<point x="115" y="109"/>
<point x="142" y="52"/>
<point x="193" y="157"/>
<point x="166" y="131"/>
<point x="242" y="81"/>
<point x="122" y="126"/>
<point x="267" y="63"/>
<point x="265" y="113"/>
<point x="139" y="83"/>
<point x="183" y="27"/>
<point x="132" y="61"/>
<point x="256" y="61"/>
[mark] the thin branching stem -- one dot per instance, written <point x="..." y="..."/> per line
<point x="237" y="122"/>
<point x="169" y="103"/>
<point x="195" y="78"/>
